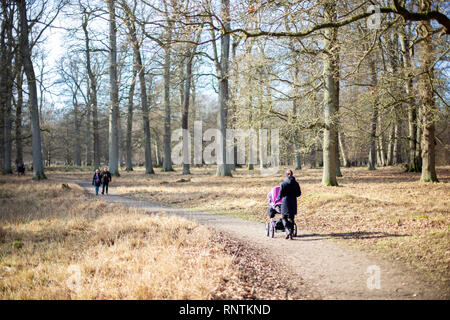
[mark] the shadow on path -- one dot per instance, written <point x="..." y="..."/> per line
<point x="348" y="235"/>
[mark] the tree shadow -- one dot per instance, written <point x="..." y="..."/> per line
<point x="348" y="235"/>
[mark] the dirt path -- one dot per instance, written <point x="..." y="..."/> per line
<point x="329" y="270"/>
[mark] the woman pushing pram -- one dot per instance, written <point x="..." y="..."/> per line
<point x="283" y="199"/>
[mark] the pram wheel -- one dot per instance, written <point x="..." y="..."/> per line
<point x="270" y="230"/>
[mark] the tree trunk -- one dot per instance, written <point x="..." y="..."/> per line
<point x="313" y="157"/>
<point x="393" y="138"/>
<point x="390" y="150"/>
<point x="419" y="137"/>
<point x="185" y="113"/>
<point x="145" y="117"/>
<point x="381" y="142"/>
<point x="222" y="67"/>
<point x="129" y="146"/>
<point x="157" y="153"/>
<point x="396" y="155"/>
<point x="373" y="131"/>
<point x="167" y="161"/>
<point x="114" y="93"/>
<point x="145" y="99"/>
<point x="38" y="167"/>
<point x="337" y="84"/>
<point x="413" y="164"/>
<point x="19" y="106"/>
<point x="345" y="161"/>
<point x="297" y="161"/>
<point x="95" y="128"/>
<point x="92" y="99"/>
<point x="329" y="99"/>
<point x="6" y="83"/>
<point x="88" y="128"/>
<point x="428" y="108"/>
<point x="77" y="135"/>
<point x="120" y="140"/>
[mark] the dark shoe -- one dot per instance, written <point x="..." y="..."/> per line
<point x="287" y="236"/>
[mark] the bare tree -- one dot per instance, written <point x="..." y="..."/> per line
<point x="92" y="108"/>
<point x="6" y="80"/>
<point x="222" y="64"/>
<point x="330" y="94"/>
<point x="139" y="68"/>
<point x="114" y="92"/>
<point x="428" y="108"/>
<point x="25" y="49"/>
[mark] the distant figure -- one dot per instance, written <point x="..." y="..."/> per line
<point x="97" y="180"/>
<point x="106" y="178"/>
<point x="21" y="169"/>
<point x="289" y="191"/>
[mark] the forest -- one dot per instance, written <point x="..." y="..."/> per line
<point x="202" y="110"/>
<point x="348" y="83"/>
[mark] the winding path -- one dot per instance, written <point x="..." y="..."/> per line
<point x="328" y="270"/>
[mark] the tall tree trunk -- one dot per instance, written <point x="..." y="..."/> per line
<point x="88" y="128"/>
<point x="313" y="157"/>
<point x="390" y="149"/>
<point x="428" y="108"/>
<point x="157" y="152"/>
<point x="413" y="164"/>
<point x="393" y="138"/>
<point x="95" y="127"/>
<point x="92" y="98"/>
<point x="120" y="140"/>
<point x="342" y="150"/>
<point x="145" y="101"/>
<point x="337" y="85"/>
<point x="77" y="135"/>
<point x="167" y="161"/>
<point x="25" y="49"/>
<point x="2" y="149"/>
<point x="6" y="83"/>
<point x="185" y="113"/>
<point x="419" y="137"/>
<point x="129" y="146"/>
<point x="114" y="93"/>
<point x="381" y="141"/>
<point x="222" y="69"/>
<point x="297" y="156"/>
<point x="396" y="155"/>
<point x="373" y="131"/>
<point x="18" y="123"/>
<point x="329" y="99"/>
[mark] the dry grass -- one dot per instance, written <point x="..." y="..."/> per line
<point x="62" y="244"/>
<point x="384" y="211"/>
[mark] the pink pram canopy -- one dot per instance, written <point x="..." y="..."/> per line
<point x="273" y="194"/>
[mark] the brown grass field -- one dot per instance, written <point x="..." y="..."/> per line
<point x="58" y="243"/>
<point x="385" y="212"/>
<point x="45" y="230"/>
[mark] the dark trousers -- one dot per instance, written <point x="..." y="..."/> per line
<point x="105" y="186"/>
<point x="288" y="222"/>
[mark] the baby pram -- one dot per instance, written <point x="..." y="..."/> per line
<point x="273" y="225"/>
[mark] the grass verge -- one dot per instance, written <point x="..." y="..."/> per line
<point x="59" y="243"/>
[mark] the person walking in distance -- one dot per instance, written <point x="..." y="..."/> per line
<point x="106" y="179"/>
<point x="97" y="180"/>
<point x="289" y="192"/>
